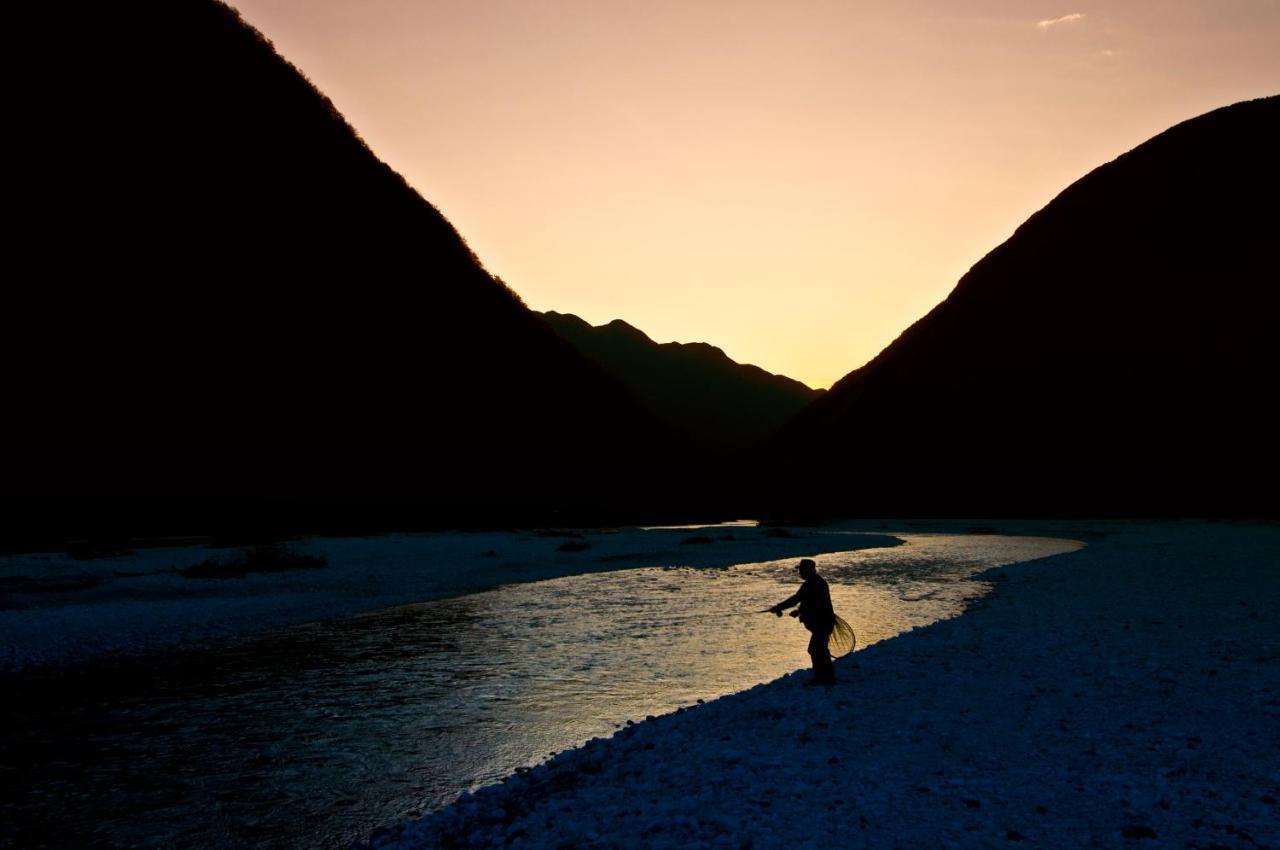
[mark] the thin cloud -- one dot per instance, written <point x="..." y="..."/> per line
<point x="1074" y="17"/>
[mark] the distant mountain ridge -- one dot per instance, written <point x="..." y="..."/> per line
<point x="695" y="389"/>
<point x="1118" y="352"/>
<point x="230" y="309"/>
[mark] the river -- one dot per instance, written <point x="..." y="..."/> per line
<point x="313" y="736"/>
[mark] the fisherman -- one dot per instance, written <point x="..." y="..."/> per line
<point x="817" y="615"/>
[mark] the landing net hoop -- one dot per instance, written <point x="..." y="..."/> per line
<point x="842" y="640"/>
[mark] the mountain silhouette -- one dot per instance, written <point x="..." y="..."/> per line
<point x="693" y="388"/>
<point x="231" y="311"/>
<point x="1116" y="354"/>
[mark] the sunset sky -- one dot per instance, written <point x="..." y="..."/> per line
<point x="795" y="182"/>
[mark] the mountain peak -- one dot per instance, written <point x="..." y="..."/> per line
<point x="694" y="388"/>
<point x="234" y="364"/>
<point x="1120" y="335"/>
<point x="621" y="328"/>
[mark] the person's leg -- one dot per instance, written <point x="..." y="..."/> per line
<point x="828" y="669"/>
<point x="824" y="672"/>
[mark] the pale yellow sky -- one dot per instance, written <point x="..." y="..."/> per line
<point x="795" y="182"/>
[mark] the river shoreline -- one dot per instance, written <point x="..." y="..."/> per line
<point x="58" y="613"/>
<point x="1128" y="692"/>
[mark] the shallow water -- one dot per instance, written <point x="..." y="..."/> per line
<point x="316" y="735"/>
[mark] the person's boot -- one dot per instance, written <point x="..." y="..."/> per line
<point x="825" y="674"/>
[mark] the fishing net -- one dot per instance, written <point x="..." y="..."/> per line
<point x="842" y="640"/>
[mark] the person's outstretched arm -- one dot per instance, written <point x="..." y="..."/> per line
<point x="793" y="599"/>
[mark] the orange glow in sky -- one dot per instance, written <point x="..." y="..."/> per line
<point x="795" y="182"/>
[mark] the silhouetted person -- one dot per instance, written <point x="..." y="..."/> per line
<point x="817" y="615"/>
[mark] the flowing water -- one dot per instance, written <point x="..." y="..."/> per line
<point x="314" y="736"/>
